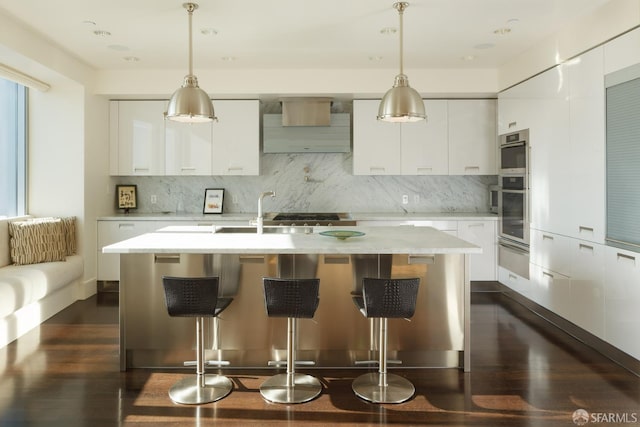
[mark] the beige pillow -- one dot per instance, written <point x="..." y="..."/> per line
<point x="37" y="240"/>
<point x="70" y="234"/>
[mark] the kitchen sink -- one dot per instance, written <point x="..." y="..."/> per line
<point x="265" y="230"/>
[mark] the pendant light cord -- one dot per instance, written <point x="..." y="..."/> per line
<point x="190" y="9"/>
<point x="401" y="7"/>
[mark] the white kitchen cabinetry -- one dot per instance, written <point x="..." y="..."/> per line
<point x="550" y="289"/>
<point x="472" y="137"/>
<point x="376" y="144"/>
<point x="622" y="52"/>
<point x="515" y="281"/>
<point x="587" y="286"/>
<point x="188" y="148"/>
<point x="457" y="138"/>
<point x="515" y="109"/>
<point x="586" y="165"/>
<point x="550" y="153"/>
<point x="137" y="137"/>
<point x="115" y="231"/>
<point x="622" y="299"/>
<point x="482" y="233"/>
<point x="236" y="138"/>
<point x="423" y="148"/>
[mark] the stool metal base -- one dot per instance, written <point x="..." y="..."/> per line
<point x="305" y="388"/>
<point x="397" y="390"/>
<point x="189" y="392"/>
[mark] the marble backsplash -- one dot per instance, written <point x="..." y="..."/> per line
<point x="314" y="183"/>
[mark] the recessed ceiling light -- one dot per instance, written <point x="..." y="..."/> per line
<point x="87" y="22"/>
<point x="502" y="31"/>
<point x="468" y="58"/>
<point x="512" y="21"/>
<point x="375" y="58"/>
<point x="102" y="33"/>
<point x="207" y="31"/>
<point x="482" y="46"/>
<point x="388" y="31"/>
<point x="131" y="58"/>
<point x="228" y="58"/>
<point x="118" y="47"/>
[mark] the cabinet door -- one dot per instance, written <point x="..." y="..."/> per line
<point x="376" y="144"/>
<point x="140" y="137"/>
<point x="187" y="148"/>
<point x="622" y="299"/>
<point x="551" y="251"/>
<point x="472" y="137"/>
<point x="587" y="121"/>
<point x="551" y="290"/>
<point x="236" y="137"/>
<point x="482" y="233"/>
<point x="549" y="133"/>
<point x="587" y="282"/>
<point x="112" y="232"/>
<point x="514" y="108"/>
<point x="622" y="52"/>
<point x="424" y="144"/>
<point x="514" y="281"/>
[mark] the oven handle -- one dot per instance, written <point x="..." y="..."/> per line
<point x="513" y="248"/>
<point x="513" y="144"/>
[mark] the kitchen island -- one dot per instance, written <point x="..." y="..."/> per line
<point x="338" y="336"/>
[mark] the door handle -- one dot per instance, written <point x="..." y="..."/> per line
<point x="421" y="259"/>
<point x="166" y="259"/>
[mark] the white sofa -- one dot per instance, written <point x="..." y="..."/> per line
<point x="30" y="294"/>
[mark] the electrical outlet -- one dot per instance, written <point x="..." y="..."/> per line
<point x="416" y="198"/>
<point x="405" y="199"/>
<point x="154" y="199"/>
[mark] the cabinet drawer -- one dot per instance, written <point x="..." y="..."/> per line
<point x="551" y="251"/>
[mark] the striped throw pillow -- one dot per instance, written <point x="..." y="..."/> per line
<point x="37" y="240"/>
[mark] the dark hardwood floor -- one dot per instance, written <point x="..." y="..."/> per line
<point x="525" y="372"/>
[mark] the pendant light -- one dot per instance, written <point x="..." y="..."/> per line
<point x="401" y="103"/>
<point x="190" y="104"/>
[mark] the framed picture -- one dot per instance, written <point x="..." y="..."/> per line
<point x="126" y="197"/>
<point x="213" y="198"/>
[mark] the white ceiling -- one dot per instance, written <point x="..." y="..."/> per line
<point x="296" y="33"/>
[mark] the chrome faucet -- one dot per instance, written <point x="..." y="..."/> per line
<point x="260" y="219"/>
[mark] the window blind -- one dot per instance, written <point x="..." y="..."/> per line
<point x="623" y="165"/>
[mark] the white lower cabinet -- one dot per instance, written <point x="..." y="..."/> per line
<point x="587" y="286"/>
<point x="515" y="282"/>
<point x="551" y="290"/>
<point x="622" y="300"/>
<point x="482" y="233"/>
<point x="479" y="232"/>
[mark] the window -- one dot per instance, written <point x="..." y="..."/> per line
<point x="12" y="149"/>
<point x="623" y="160"/>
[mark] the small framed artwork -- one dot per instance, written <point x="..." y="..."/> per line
<point x="126" y="197"/>
<point x="213" y="198"/>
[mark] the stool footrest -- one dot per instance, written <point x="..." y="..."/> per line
<point x="297" y="362"/>
<point x="377" y="362"/>
<point x="208" y="363"/>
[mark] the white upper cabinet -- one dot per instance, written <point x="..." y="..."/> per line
<point x="515" y="111"/>
<point x="472" y="137"/>
<point x="376" y="144"/>
<point x="137" y="137"/>
<point x="424" y="144"/>
<point x="457" y="134"/>
<point x="586" y="155"/>
<point x="622" y="52"/>
<point x="188" y="148"/>
<point x="236" y="137"/>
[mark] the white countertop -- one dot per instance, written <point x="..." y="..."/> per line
<point x="386" y="240"/>
<point x="358" y="216"/>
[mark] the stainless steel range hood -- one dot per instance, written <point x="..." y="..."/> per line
<point x="306" y="111"/>
<point x="306" y="125"/>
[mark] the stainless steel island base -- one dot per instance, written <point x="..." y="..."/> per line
<point x="337" y="337"/>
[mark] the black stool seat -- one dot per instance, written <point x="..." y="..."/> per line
<point x="196" y="297"/>
<point x="293" y="299"/>
<point x="384" y="299"/>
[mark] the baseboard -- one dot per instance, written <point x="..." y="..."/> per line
<point x="611" y="352"/>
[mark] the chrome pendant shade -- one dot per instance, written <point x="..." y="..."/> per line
<point x="190" y="104"/>
<point x="401" y="103"/>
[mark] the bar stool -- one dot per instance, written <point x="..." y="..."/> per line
<point x="196" y="297"/>
<point x="293" y="299"/>
<point x="384" y="299"/>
